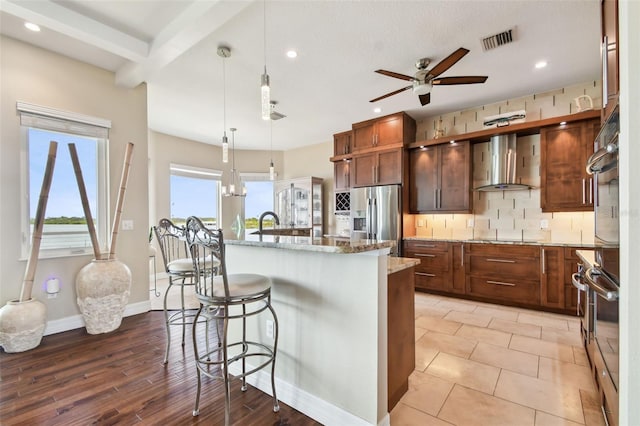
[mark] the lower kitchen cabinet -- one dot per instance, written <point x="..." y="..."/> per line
<point x="552" y="277"/>
<point x="434" y="270"/>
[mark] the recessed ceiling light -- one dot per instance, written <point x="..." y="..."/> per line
<point x="377" y="110"/>
<point x="292" y="54"/>
<point x="31" y="26"/>
<point x="562" y="123"/>
<point x="541" y="64"/>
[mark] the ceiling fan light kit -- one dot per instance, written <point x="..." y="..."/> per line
<point x="423" y="80"/>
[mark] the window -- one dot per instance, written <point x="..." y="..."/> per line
<point x="65" y="230"/>
<point x="259" y="199"/>
<point x="195" y="192"/>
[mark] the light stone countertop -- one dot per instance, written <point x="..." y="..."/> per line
<point x="397" y="264"/>
<point x="322" y="245"/>
<point x="515" y="242"/>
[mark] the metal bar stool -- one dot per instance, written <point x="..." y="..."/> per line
<point x="180" y="268"/>
<point x="223" y="298"/>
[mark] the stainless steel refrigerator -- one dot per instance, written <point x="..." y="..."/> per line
<point x="376" y="214"/>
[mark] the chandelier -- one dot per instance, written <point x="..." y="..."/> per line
<point x="235" y="188"/>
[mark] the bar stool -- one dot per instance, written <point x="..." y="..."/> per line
<point x="223" y="298"/>
<point x="180" y="268"/>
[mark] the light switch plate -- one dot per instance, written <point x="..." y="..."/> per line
<point x="544" y="224"/>
<point x="420" y="222"/>
<point x="127" y="225"/>
<point x="470" y="223"/>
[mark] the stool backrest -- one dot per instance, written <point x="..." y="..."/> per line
<point x="207" y="251"/>
<point x="172" y="242"/>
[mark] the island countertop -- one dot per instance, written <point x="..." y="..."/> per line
<point x="323" y="245"/>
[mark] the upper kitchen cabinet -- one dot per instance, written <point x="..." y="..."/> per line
<point x="395" y="129"/>
<point x="565" y="149"/>
<point x="341" y="175"/>
<point x="440" y="178"/>
<point x="377" y="168"/>
<point x="610" y="60"/>
<point x="342" y="143"/>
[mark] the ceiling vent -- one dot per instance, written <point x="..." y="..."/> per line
<point x="499" y="39"/>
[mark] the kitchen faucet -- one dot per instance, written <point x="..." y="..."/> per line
<point x="267" y="213"/>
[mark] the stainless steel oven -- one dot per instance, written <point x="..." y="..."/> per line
<point x="602" y="277"/>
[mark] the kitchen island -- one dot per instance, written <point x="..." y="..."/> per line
<point x="330" y="295"/>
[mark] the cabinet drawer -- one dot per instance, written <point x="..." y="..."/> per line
<point x="432" y="280"/>
<point x="506" y="251"/>
<point x="527" y="292"/>
<point x="517" y="268"/>
<point x="426" y="246"/>
<point x="431" y="261"/>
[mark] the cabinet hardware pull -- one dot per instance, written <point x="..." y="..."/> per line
<point x="439" y="198"/>
<point x="605" y="74"/>
<point x="501" y="283"/>
<point x="426" y="245"/>
<point x="373" y="174"/>
<point x="424" y="274"/>
<point x="462" y="257"/>
<point x="425" y="255"/>
<point x="501" y="260"/>
<point x="544" y="269"/>
<point x="435" y="198"/>
<point x="584" y="191"/>
<point x="590" y="190"/>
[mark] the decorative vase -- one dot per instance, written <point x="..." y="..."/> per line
<point x="102" y="289"/>
<point x="22" y="325"/>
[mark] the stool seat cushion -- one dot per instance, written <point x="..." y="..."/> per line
<point x="186" y="265"/>
<point x="241" y="285"/>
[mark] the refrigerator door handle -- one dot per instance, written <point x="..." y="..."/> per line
<point x="369" y="218"/>
<point x="375" y="220"/>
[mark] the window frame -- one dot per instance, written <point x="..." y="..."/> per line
<point x="256" y="177"/>
<point x="184" y="170"/>
<point x="74" y="124"/>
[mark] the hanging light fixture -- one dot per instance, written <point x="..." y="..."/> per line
<point x="272" y="170"/>
<point x="224" y="52"/>
<point x="265" y="90"/>
<point x="236" y="188"/>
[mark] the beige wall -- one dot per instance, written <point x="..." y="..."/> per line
<point x="44" y="78"/>
<point x="165" y="149"/>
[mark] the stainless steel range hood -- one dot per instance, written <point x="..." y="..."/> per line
<point x="502" y="151"/>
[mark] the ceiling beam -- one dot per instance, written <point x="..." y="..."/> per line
<point x="188" y="28"/>
<point x="65" y="21"/>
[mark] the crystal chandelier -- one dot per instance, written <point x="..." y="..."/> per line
<point x="235" y="188"/>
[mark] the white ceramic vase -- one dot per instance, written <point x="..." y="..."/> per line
<point x="22" y="325"/>
<point x="102" y="289"/>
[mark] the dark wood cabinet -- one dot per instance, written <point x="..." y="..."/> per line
<point x="341" y="175"/>
<point x="552" y="289"/>
<point x="503" y="273"/>
<point x="390" y="130"/>
<point x="570" y="291"/>
<point x="610" y="56"/>
<point x="565" y="149"/>
<point x="440" y="178"/>
<point x="377" y="168"/>
<point x="458" y="279"/>
<point x="342" y="143"/>
<point x="435" y="269"/>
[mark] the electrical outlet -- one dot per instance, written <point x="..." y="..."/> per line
<point x="269" y="330"/>
<point x="470" y="223"/>
<point x="544" y="224"/>
<point x="127" y="225"/>
<point x="420" y="222"/>
<point x="52" y="295"/>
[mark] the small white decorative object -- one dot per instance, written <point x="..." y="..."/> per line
<point x="504" y="119"/>
<point x="583" y="103"/>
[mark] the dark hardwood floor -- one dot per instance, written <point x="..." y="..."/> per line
<point x="74" y="378"/>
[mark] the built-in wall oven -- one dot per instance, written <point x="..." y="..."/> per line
<point x="602" y="277"/>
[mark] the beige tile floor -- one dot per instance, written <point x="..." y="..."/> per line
<point x="485" y="364"/>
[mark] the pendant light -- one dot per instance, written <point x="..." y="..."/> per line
<point x="224" y="52"/>
<point x="265" y="89"/>
<point x="272" y="170"/>
<point x="236" y="188"/>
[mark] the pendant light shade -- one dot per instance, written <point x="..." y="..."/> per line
<point x="235" y="188"/>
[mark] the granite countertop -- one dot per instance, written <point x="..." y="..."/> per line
<point x="322" y="245"/>
<point x="397" y="264"/>
<point x="515" y="242"/>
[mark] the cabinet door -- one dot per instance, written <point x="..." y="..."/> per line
<point x="363" y="170"/>
<point x="423" y="179"/>
<point x="389" y="167"/>
<point x="564" y="183"/>
<point x="389" y="130"/>
<point x="455" y="177"/>
<point x="363" y="135"/>
<point x="552" y="277"/>
<point x="609" y="16"/>
<point x="458" y="283"/>
<point x="342" y="143"/>
<point x="341" y="175"/>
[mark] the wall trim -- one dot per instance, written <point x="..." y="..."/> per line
<point x="76" y="321"/>
<point x="308" y="404"/>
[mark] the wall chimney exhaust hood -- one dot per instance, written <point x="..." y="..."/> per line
<point x="502" y="151"/>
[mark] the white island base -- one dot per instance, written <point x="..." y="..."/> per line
<point x="332" y="312"/>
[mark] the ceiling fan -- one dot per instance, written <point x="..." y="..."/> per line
<point x="424" y="79"/>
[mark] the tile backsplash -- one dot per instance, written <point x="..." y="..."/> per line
<point x="510" y="215"/>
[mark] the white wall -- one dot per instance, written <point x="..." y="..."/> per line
<point x="40" y="77"/>
<point x="629" y="212"/>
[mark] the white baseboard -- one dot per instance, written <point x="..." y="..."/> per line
<point x="308" y="404"/>
<point x="76" y="321"/>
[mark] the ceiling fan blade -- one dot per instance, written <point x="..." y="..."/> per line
<point x="395" y="75"/>
<point x="459" y="80"/>
<point x="391" y="94"/>
<point x="448" y="62"/>
<point x="425" y="99"/>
